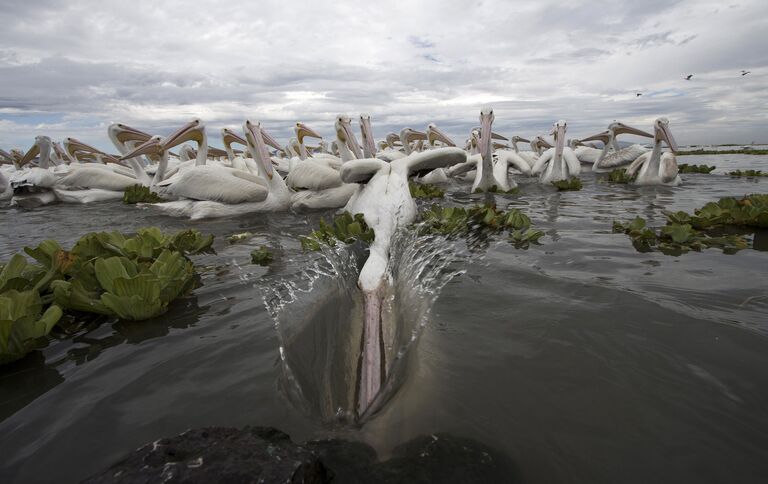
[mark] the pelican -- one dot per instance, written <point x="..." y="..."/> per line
<point x="490" y="176"/>
<point x="385" y="201"/>
<point x="200" y="183"/>
<point x="33" y="187"/>
<point x="345" y="139"/>
<point x="317" y="179"/>
<point x="558" y="163"/>
<point x="369" y="145"/>
<point x="434" y="134"/>
<point x="603" y="160"/>
<point x="529" y="156"/>
<point x="655" y="167"/>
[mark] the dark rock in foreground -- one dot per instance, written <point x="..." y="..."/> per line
<point x="264" y="454"/>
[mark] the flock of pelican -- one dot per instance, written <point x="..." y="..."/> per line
<point x="369" y="178"/>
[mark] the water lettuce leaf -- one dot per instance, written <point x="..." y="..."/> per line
<point x="21" y="323"/>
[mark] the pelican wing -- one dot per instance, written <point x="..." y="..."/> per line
<point x="633" y="167"/>
<point x="573" y="163"/>
<point x="622" y="157"/>
<point x="93" y="177"/>
<point x="587" y="154"/>
<point x="215" y="184"/>
<point x="512" y="158"/>
<point x="538" y="167"/>
<point x="668" y="169"/>
<point x="360" y="171"/>
<point x="426" y="161"/>
<point x="313" y="176"/>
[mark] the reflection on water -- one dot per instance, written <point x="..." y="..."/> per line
<point x="581" y="359"/>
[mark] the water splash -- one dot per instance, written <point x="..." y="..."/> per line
<point x="318" y="317"/>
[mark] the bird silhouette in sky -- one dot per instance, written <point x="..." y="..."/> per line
<point x="744" y="73"/>
<point x="638" y="94"/>
<point x="688" y="77"/>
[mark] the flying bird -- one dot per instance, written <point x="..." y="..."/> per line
<point x="688" y="77"/>
<point x="638" y="94"/>
<point x="744" y="73"/>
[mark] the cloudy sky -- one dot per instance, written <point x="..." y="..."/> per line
<point x="70" y="68"/>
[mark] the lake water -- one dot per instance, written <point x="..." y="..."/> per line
<point x="581" y="359"/>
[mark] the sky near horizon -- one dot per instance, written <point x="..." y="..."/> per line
<point x="69" y="68"/>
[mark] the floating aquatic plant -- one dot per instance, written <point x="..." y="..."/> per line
<point x="750" y="211"/>
<point x="345" y="229"/>
<point x="261" y="256"/>
<point x="22" y="322"/>
<point x="236" y="238"/>
<point x="425" y="190"/>
<point x="567" y="185"/>
<point x="141" y="194"/>
<point x="686" y="168"/>
<point x="676" y="239"/>
<point x="105" y="273"/>
<point x="619" y="175"/>
<point x="477" y="221"/>
<point x="748" y="173"/>
<point x="685" y="232"/>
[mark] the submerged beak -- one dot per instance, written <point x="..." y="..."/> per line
<point x="435" y="134"/>
<point x="621" y="128"/>
<point x="254" y="134"/>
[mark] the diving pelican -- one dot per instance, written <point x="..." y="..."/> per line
<point x="655" y="167"/>
<point x="385" y="201"/>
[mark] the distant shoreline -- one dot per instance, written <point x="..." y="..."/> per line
<point x="745" y="151"/>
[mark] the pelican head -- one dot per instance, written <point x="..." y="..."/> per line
<point x="618" y="128"/>
<point x="151" y="147"/>
<point x="558" y="131"/>
<point x="303" y="130"/>
<point x="192" y="131"/>
<point x="486" y="123"/>
<point x="369" y="145"/>
<point x="41" y="146"/>
<point x="254" y="135"/>
<point x="120" y="134"/>
<point x="435" y="134"/>
<point x="228" y="137"/>
<point x="407" y="135"/>
<point x="662" y="132"/>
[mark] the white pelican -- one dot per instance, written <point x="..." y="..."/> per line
<point x="558" y="163"/>
<point x="92" y="182"/>
<point x="386" y="204"/>
<point x="605" y="160"/>
<point x="434" y="134"/>
<point x="529" y="156"/>
<point x="345" y="139"/>
<point x="32" y="187"/>
<point x="655" y="167"/>
<point x="490" y="176"/>
<point x="366" y="132"/>
<point x="201" y="182"/>
<point x="317" y="179"/>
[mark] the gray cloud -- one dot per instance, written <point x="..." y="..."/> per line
<point x="68" y="69"/>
